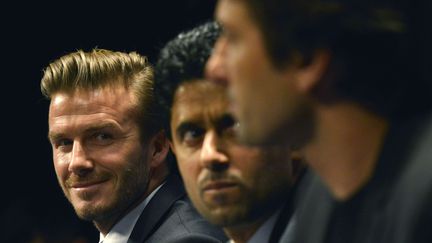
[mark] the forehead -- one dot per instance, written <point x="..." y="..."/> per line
<point x="113" y="96"/>
<point x="114" y="101"/>
<point x="199" y="98"/>
<point x="230" y="12"/>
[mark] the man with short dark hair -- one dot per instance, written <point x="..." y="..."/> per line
<point x="246" y="190"/>
<point x="347" y="82"/>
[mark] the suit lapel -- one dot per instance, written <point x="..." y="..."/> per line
<point x="314" y="211"/>
<point x="155" y="210"/>
<point x="284" y="217"/>
<point x="414" y="186"/>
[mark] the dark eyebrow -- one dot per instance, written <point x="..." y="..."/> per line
<point x="52" y="136"/>
<point x="100" y="126"/>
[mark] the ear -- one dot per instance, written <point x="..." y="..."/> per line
<point x="172" y="147"/>
<point x="307" y="76"/>
<point x="158" y="149"/>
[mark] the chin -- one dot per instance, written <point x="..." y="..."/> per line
<point x="86" y="214"/>
<point x="91" y="211"/>
<point x="225" y="217"/>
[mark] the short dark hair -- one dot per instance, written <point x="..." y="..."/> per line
<point x="379" y="48"/>
<point x="183" y="59"/>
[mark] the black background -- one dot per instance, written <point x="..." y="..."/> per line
<point x="34" y="34"/>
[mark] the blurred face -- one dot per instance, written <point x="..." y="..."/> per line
<point x="99" y="159"/>
<point x="264" y="99"/>
<point x="228" y="183"/>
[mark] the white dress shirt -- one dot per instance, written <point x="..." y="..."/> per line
<point x="121" y="231"/>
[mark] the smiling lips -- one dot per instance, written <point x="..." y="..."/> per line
<point x="85" y="184"/>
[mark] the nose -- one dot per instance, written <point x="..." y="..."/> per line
<point x="213" y="157"/>
<point x="215" y="69"/>
<point x="80" y="163"/>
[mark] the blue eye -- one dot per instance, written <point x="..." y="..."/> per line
<point x="103" y="136"/>
<point x="63" y="144"/>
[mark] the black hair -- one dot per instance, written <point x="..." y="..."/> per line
<point x="380" y="49"/>
<point x="183" y="59"/>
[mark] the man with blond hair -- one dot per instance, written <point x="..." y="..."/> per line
<point x="110" y="153"/>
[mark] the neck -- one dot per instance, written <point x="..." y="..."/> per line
<point x="346" y="147"/>
<point x="105" y="224"/>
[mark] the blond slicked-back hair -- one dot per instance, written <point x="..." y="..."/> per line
<point x="100" y="68"/>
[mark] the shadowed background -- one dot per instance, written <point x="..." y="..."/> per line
<point x="34" y="34"/>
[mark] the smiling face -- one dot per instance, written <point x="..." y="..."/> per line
<point x="99" y="158"/>
<point x="229" y="184"/>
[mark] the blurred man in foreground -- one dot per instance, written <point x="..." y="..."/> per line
<point x="347" y="82"/>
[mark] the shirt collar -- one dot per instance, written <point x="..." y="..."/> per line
<point x="264" y="231"/>
<point x="121" y="231"/>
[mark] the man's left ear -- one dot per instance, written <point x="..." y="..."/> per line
<point x="159" y="146"/>
<point x="172" y="147"/>
<point x="309" y="75"/>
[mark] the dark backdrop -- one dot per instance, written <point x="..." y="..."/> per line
<point x="32" y="35"/>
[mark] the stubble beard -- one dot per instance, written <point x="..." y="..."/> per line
<point x="250" y="209"/>
<point x="130" y="189"/>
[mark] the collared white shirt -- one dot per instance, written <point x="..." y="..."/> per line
<point x="121" y="231"/>
<point x="264" y="231"/>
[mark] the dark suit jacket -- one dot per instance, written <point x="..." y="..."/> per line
<point x="395" y="206"/>
<point x="170" y="217"/>
<point x="286" y="218"/>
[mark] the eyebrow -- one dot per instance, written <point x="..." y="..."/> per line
<point x="52" y="136"/>
<point x="222" y="122"/>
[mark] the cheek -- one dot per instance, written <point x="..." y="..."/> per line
<point x="116" y="159"/>
<point x="190" y="172"/>
<point x="247" y="162"/>
<point x="246" y="73"/>
<point x="238" y="62"/>
<point x="189" y="166"/>
<point x="60" y="165"/>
